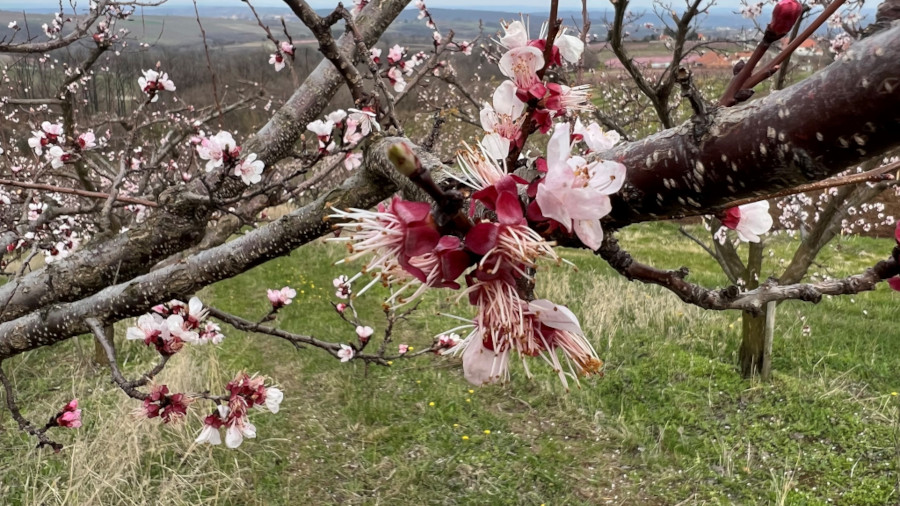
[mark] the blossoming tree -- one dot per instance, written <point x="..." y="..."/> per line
<point x="133" y="221"/>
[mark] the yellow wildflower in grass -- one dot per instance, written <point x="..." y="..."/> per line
<point x="468" y="400"/>
<point x="487" y="431"/>
<point x="465" y="438"/>
<point x="894" y="394"/>
<point x="431" y="404"/>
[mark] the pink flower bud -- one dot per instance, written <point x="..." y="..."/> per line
<point x="341" y="307"/>
<point x="784" y="16"/>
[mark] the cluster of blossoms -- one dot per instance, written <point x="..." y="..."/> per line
<point x="53" y="29"/>
<point x="168" y="407"/>
<point x="281" y="298"/>
<point x="751" y="10"/>
<point x="841" y="42"/>
<point x="57" y="238"/>
<point x="69" y="416"/>
<point x="503" y="119"/>
<point x="278" y="58"/>
<point x="397" y="66"/>
<point x="153" y="82"/>
<point x="408" y="249"/>
<point x="51" y="138"/>
<point x="172" y="325"/>
<point x="343" y="130"/>
<point x="221" y="150"/>
<point x="245" y="392"/>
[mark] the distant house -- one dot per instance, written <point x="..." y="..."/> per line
<point x="807" y="48"/>
<point x="711" y="60"/>
<point x="653" y="62"/>
<point x="743" y="55"/>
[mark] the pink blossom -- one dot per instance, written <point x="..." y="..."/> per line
<point x="323" y="130"/>
<point x="250" y="169"/>
<point x="375" y="54"/>
<point x="87" y="140"/>
<point x="340" y="307"/>
<point x="364" y="333"/>
<point x="575" y="193"/>
<point x="179" y="329"/>
<point x="286" y="48"/>
<point x="403" y="348"/>
<point x="395" y="54"/>
<point x="596" y="139"/>
<point x="395" y="75"/>
<point x="521" y="65"/>
<point x="345" y="353"/>
<point x="150" y="327"/>
<point x="153" y="82"/>
<point x="219" y="150"/>
<point x="365" y="118"/>
<point x="393" y="235"/>
<point x="352" y="160"/>
<point x="274" y="396"/>
<point x="570" y="47"/>
<point x="448" y="340"/>
<point x="70" y="416"/>
<point x="516" y="35"/>
<point x="211" y="333"/>
<point x="281" y="298"/>
<point x="238" y="423"/>
<point x="58" y="157"/>
<point x="749" y="220"/>
<point x="196" y="313"/>
<point x="168" y="407"/>
<point x="336" y="117"/>
<point x="564" y="99"/>
<point x="277" y="60"/>
<point x="342" y="287"/>
<point x="502" y="121"/>
<point x="211" y="425"/>
<point x="48" y="134"/>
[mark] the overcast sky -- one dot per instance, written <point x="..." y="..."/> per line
<point x="500" y="5"/>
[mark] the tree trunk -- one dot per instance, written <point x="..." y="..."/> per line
<point x="99" y="352"/>
<point x="752" y="344"/>
<point x="753" y="328"/>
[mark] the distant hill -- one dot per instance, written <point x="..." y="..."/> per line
<point x="228" y="24"/>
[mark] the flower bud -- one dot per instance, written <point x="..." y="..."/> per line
<point x="784" y="16"/>
<point x="403" y="158"/>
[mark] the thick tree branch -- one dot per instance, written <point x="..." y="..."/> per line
<point x="814" y="129"/>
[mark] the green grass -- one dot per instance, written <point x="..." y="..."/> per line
<point x="669" y="422"/>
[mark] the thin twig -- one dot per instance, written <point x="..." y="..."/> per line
<point x="73" y="191"/>
<point x="23" y="422"/>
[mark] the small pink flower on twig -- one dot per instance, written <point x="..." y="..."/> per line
<point x="345" y="353"/>
<point x="70" y="416"/>
<point x="364" y="333"/>
<point x="281" y="298"/>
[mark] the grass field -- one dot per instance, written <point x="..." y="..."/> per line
<point x="670" y="423"/>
